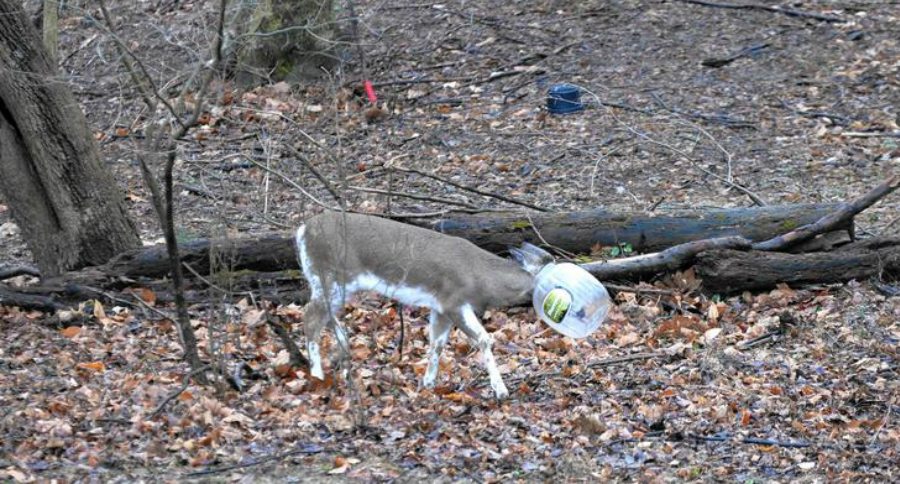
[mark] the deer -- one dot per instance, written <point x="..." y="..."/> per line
<point x="344" y="253"/>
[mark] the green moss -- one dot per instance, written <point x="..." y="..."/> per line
<point x="789" y="224"/>
<point x="520" y="224"/>
<point x="271" y="23"/>
<point x="294" y="273"/>
<point x="283" y="69"/>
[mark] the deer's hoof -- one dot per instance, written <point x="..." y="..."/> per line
<point x="317" y="373"/>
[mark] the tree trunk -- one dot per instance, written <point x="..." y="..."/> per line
<point x="286" y="40"/>
<point x="61" y="196"/>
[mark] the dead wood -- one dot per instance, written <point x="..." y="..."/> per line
<point x="670" y="259"/>
<point x="267" y="264"/>
<point x="838" y="218"/>
<point x="10" y="271"/>
<point x="573" y="232"/>
<point x="578" y="232"/>
<point x="9" y="297"/>
<point x="790" y="12"/>
<point x="728" y="271"/>
<point x="271" y="252"/>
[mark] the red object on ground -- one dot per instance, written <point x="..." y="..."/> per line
<point x="370" y="92"/>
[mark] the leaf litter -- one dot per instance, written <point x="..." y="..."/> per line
<point x="782" y="385"/>
<point x="819" y="398"/>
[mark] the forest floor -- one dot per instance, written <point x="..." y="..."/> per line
<point x="790" y="384"/>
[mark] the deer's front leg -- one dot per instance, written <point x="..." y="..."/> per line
<point x="438" y="332"/>
<point x="479" y="337"/>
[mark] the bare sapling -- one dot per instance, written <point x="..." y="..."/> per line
<point x="343" y="253"/>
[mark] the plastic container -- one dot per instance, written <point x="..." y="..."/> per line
<point x="570" y="300"/>
<point x="564" y="99"/>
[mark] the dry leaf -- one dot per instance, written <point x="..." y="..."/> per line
<point x="71" y="331"/>
<point x="460" y="398"/>
<point x="145" y="294"/>
<point x="627" y="339"/>
<point x="711" y="334"/>
<point x="97" y="366"/>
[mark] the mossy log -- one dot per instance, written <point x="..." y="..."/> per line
<point x="577" y="232"/>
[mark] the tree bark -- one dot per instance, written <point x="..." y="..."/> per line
<point x="61" y="196"/>
<point x="287" y="40"/>
<point x="728" y="271"/>
<point x="579" y="231"/>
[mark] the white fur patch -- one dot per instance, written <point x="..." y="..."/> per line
<point x="315" y="360"/>
<point x="315" y="284"/>
<point x="408" y="295"/>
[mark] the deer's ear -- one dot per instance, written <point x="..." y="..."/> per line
<point x="531" y="257"/>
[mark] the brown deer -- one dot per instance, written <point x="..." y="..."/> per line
<point x="343" y="253"/>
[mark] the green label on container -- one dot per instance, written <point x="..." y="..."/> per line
<point x="556" y="304"/>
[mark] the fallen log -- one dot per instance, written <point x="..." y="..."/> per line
<point x="575" y="232"/>
<point x="28" y="301"/>
<point x="265" y="253"/>
<point x="729" y="271"/>
<point x="578" y="231"/>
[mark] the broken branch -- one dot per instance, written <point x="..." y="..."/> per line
<point x="842" y="216"/>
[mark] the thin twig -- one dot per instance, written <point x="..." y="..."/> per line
<point x="129" y="59"/>
<point x="645" y="290"/>
<point x="750" y="440"/>
<point x="211" y="284"/>
<point x="750" y="343"/>
<point x="469" y="189"/>
<point x="862" y="134"/>
<point x="441" y="213"/>
<point x="596" y="364"/>
<point x="292" y="183"/>
<point x="791" y="12"/>
<point x="312" y="169"/>
<point x="624" y="359"/>
<point x="264" y="460"/>
<point x="173" y="395"/>
<point x="416" y="196"/>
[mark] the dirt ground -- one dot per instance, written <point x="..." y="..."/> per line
<point x="791" y="384"/>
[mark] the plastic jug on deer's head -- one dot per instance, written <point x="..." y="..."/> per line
<point x="569" y="299"/>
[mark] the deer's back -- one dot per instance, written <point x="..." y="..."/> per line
<point x="345" y="245"/>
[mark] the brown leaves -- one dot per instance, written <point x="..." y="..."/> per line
<point x="112" y="371"/>
<point x="686" y="328"/>
<point x="70" y="332"/>
<point x="144" y="294"/>
<point x="93" y="366"/>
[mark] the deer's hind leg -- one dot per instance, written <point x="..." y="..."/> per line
<point x="439" y="326"/>
<point x="315" y="318"/>
<point x="471" y="326"/>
